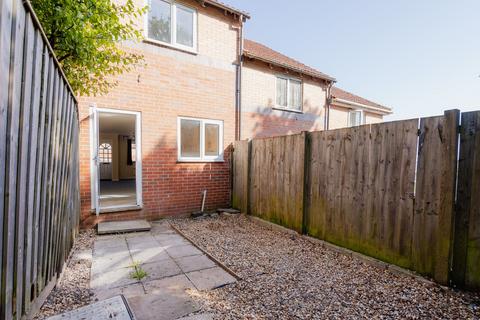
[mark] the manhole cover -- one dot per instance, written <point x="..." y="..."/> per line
<point x="112" y="308"/>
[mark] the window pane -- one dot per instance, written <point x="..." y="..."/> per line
<point x="105" y="153"/>
<point x="355" y="118"/>
<point x="190" y="138"/>
<point x="184" y="27"/>
<point x="211" y="139"/>
<point x="159" y="20"/>
<point x="295" y="95"/>
<point x="282" y="92"/>
<point x="134" y="152"/>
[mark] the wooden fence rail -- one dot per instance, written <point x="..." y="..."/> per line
<point x="39" y="186"/>
<point x="388" y="190"/>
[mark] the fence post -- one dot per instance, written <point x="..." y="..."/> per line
<point x="452" y="120"/>
<point x="306" y="180"/>
<point x="466" y="245"/>
<point x="249" y="176"/>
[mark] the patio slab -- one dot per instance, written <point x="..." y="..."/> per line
<point x="183" y="251"/>
<point x="194" y="263"/>
<point x="209" y="279"/>
<point x="173" y="266"/>
<point x="160" y="269"/>
<point x="107" y="227"/>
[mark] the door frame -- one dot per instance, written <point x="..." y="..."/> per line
<point x="94" y="139"/>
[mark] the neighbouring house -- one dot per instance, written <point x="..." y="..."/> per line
<point x="163" y="135"/>
<point x="283" y="96"/>
<point x="347" y="109"/>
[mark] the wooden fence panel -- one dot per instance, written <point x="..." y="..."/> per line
<point x="240" y="175"/>
<point x="276" y="189"/>
<point x="361" y="187"/>
<point x="435" y="195"/>
<point x="387" y="190"/>
<point x="390" y="190"/>
<point x="39" y="183"/>
<point x="466" y="259"/>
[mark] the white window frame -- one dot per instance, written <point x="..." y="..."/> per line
<point x="289" y="108"/>
<point x="203" y="157"/>
<point x="173" y="27"/>
<point x="362" y="117"/>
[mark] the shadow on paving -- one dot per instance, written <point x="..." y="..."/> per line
<point x="173" y="265"/>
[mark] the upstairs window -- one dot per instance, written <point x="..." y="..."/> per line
<point x="171" y="23"/>
<point x="355" y="118"/>
<point x="200" y="140"/>
<point x="289" y="93"/>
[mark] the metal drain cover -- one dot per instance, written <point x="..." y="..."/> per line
<point x="115" y="308"/>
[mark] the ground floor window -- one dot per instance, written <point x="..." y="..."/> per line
<point x="200" y="139"/>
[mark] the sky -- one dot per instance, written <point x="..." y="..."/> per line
<point x="419" y="57"/>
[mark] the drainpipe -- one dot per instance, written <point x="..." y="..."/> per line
<point x="238" y="85"/>
<point x="328" y="101"/>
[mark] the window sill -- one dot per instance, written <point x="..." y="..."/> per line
<point x="287" y="110"/>
<point x="199" y="161"/>
<point x="171" y="46"/>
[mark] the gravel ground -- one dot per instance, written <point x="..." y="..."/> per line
<point x="73" y="291"/>
<point x="288" y="277"/>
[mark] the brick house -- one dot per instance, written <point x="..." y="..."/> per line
<point x="162" y="137"/>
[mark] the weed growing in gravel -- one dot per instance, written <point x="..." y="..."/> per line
<point x="138" y="273"/>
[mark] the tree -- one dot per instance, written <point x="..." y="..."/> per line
<point x="84" y="35"/>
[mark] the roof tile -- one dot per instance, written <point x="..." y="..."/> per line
<point x="345" y="95"/>
<point x="259" y="51"/>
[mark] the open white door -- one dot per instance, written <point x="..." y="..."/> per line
<point x="138" y="159"/>
<point x="95" y="160"/>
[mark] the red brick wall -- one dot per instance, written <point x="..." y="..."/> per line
<point x="172" y="84"/>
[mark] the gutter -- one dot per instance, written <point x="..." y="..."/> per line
<point x="243" y="15"/>
<point x="346" y="103"/>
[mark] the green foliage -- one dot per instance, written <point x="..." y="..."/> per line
<point x="138" y="273"/>
<point x="85" y="34"/>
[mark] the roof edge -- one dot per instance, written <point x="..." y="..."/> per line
<point x="383" y="110"/>
<point x="286" y="66"/>
<point x="225" y="7"/>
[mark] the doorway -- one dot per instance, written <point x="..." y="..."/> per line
<point x="116" y="160"/>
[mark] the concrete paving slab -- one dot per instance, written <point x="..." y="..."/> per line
<point x="107" y="227"/>
<point x="149" y="255"/>
<point x="183" y="251"/>
<point x="115" y="260"/>
<point x="194" y="263"/>
<point x="109" y="243"/>
<point x="166" y="299"/>
<point x="128" y="291"/>
<point x="160" y="269"/>
<point x="169" y="284"/>
<point x="141" y="239"/>
<point x="165" y="306"/>
<point x="171" y="240"/>
<point x="161" y="227"/>
<point x="104" y="252"/>
<point x="212" y="278"/>
<point x="144" y="245"/>
<point x="112" y="279"/>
